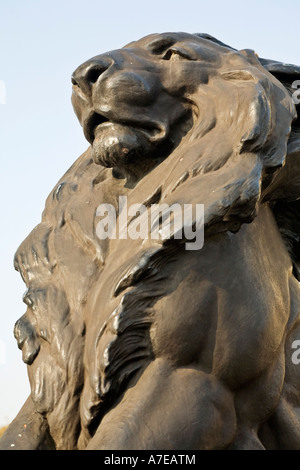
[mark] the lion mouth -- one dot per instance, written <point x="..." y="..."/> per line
<point x="27" y="340"/>
<point x="91" y="125"/>
<point x="154" y="131"/>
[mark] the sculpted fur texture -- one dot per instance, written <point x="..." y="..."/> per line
<point x="142" y="344"/>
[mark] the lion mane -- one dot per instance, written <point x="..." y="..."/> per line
<point x="241" y="150"/>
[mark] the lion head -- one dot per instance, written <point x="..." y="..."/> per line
<point x="179" y="118"/>
<point x="195" y="101"/>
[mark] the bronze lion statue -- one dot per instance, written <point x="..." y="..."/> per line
<point x="138" y="343"/>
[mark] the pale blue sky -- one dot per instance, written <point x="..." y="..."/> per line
<point x="41" y="43"/>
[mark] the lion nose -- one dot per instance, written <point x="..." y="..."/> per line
<point x="87" y="74"/>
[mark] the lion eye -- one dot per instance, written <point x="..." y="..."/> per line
<point x="176" y="54"/>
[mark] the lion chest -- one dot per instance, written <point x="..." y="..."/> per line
<point x="229" y="310"/>
<point x="222" y="309"/>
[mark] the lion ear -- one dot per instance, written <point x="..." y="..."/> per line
<point x="244" y="73"/>
<point x="289" y="76"/>
<point x="280" y="69"/>
<point x="251" y="56"/>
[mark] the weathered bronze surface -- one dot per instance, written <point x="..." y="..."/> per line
<point x="141" y="343"/>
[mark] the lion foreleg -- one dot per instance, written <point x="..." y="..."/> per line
<point x="168" y="408"/>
